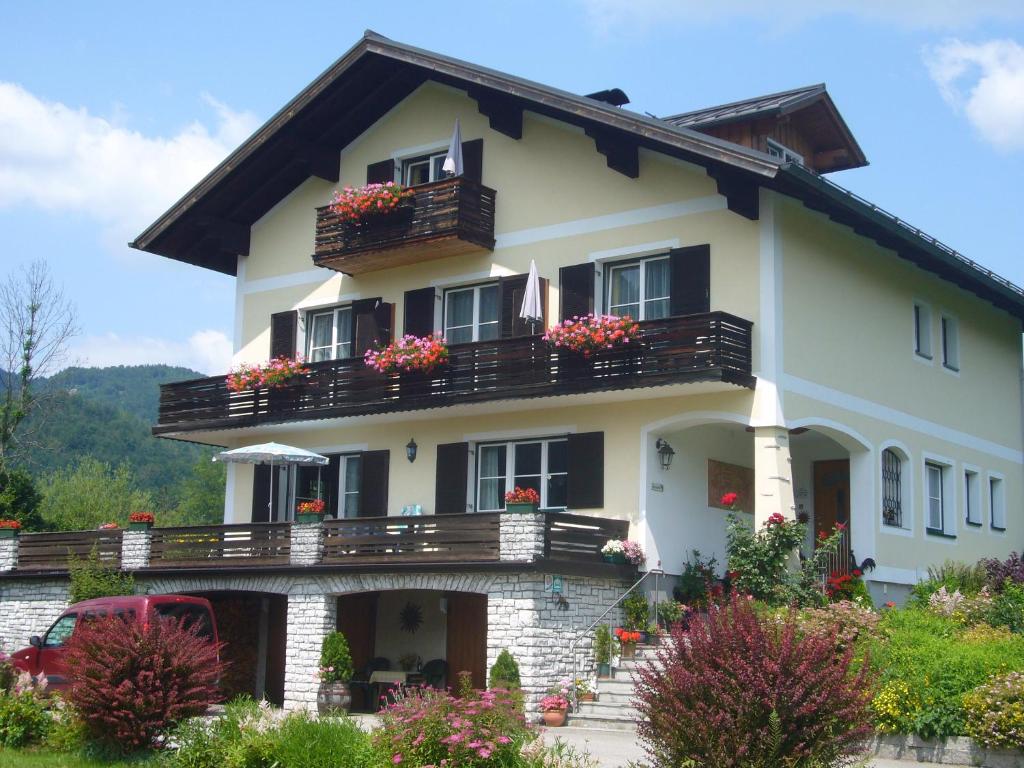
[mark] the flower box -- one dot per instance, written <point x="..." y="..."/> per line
<point x="521" y="500"/>
<point x="140" y="521"/>
<point x="589" y="334"/>
<point x="310" y="511"/>
<point x="8" y="533"/>
<point x="139" y="526"/>
<point x="409" y="355"/>
<point x="363" y="206"/>
<point x="619" y="558"/>
<point x="271" y="375"/>
<point x="309" y="517"/>
<point x="520" y="507"/>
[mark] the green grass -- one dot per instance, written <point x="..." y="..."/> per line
<point x="41" y="758"/>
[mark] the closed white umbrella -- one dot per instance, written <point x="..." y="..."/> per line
<point x="453" y="161"/>
<point x="532" y="308"/>
<point x="273" y="453"/>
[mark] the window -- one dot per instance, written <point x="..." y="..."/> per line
<point x="892" y="488"/>
<point x="351" y="474"/>
<point x="423" y="169"/>
<point x="189" y="614"/>
<point x="329" y="334"/>
<point x="472" y="314"/>
<point x="950" y="343"/>
<point x="640" y="289"/>
<point x="61" y="630"/>
<point x="784" y="153"/>
<point x="936" y="495"/>
<point x="539" y="464"/>
<point x="922" y="330"/>
<point x="996" y="503"/>
<point x="972" y="498"/>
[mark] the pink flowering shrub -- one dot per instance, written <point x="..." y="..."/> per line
<point x="592" y="333"/>
<point x="429" y="727"/>
<point x="738" y="690"/>
<point x="408" y="354"/>
<point x="275" y="373"/>
<point x="356" y="204"/>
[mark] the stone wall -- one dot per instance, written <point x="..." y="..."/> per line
<point x="521" y="536"/>
<point x="28" y="607"/>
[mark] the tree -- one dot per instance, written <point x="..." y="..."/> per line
<point x="200" y="495"/>
<point x="90" y="493"/>
<point x="19" y="499"/>
<point x="36" y="323"/>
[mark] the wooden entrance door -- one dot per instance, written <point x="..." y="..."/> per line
<point x="467" y="637"/>
<point x="832" y="503"/>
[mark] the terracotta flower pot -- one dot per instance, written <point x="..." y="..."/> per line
<point x="554" y="718"/>
<point x="332" y="698"/>
<point x="628" y="650"/>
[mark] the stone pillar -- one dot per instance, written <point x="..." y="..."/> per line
<point x="135" y="546"/>
<point x="773" y="475"/>
<point x="310" y="618"/>
<point x="9" y="553"/>
<point x="307" y="543"/>
<point x="521" y="536"/>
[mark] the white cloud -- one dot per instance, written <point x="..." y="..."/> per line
<point x="58" y="158"/>
<point x="986" y="81"/>
<point x="207" y="351"/>
<point x="612" y="16"/>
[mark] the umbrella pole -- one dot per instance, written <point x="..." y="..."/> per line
<point x="270" y="501"/>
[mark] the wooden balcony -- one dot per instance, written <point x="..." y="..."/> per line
<point x="709" y="347"/>
<point x="445" y="218"/>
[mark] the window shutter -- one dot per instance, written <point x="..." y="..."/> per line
<point x="373" y="489"/>
<point x="511" y="290"/>
<point x="586" y="471"/>
<point x="691" y="280"/>
<point x="452" y="478"/>
<point x="576" y="291"/>
<point x="283" y="330"/>
<point x="331" y="478"/>
<point x="380" y="173"/>
<point x="419" y="311"/>
<point x="260" y="493"/>
<point x="371" y="324"/>
<point x="473" y="160"/>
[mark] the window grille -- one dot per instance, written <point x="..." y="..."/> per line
<point x="892" y="487"/>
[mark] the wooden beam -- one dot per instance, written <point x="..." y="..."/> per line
<point x="621" y="153"/>
<point x="740" y="192"/>
<point x="321" y="161"/>
<point x="504" y="115"/>
<point x="230" y="236"/>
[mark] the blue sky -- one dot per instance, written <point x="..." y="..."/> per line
<point x="109" y="111"/>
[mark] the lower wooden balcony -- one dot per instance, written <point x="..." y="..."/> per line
<point x="697" y="348"/>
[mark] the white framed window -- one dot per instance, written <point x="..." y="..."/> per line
<point x="350" y="485"/>
<point x="784" y="153"/>
<point x="423" y="169"/>
<point x="950" y="338"/>
<point x="539" y="464"/>
<point x="472" y="313"/>
<point x="922" y="330"/>
<point x="996" y="503"/>
<point x="329" y="334"/>
<point x="940" y="502"/>
<point x="640" y="289"/>
<point x="972" y="497"/>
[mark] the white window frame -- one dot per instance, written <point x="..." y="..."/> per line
<point x="610" y="269"/>
<point x="343" y="491"/>
<point x="996" y="502"/>
<point x="949" y="342"/>
<point x="948" y="509"/>
<point x="921" y="332"/>
<point x="308" y="321"/>
<point x="784" y="153"/>
<point x="972" y="496"/>
<point x="434" y="173"/>
<point x="509" y="475"/>
<point x="476" y="309"/>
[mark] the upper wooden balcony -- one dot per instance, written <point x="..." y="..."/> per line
<point x="444" y="218"/>
<point x="708" y="347"/>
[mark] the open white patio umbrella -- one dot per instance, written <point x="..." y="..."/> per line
<point x="532" y="308"/>
<point x="273" y="453"/>
<point x="453" y="161"/>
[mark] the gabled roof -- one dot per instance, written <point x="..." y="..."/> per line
<point x="760" y="106"/>
<point x="210" y="225"/>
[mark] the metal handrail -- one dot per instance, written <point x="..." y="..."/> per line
<point x="657" y="572"/>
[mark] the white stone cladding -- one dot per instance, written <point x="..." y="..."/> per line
<point x="9" y="554"/>
<point x="310" y="617"/>
<point x="521" y="536"/>
<point x="135" y="549"/>
<point x="307" y="543"/>
<point x="28" y="607"/>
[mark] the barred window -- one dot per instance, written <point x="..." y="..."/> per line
<point x="892" y="488"/>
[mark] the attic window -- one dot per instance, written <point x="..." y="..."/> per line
<point x="785" y="154"/>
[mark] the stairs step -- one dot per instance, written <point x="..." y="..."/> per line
<point x="602" y="722"/>
<point x="608" y="709"/>
<point x="616" y="697"/>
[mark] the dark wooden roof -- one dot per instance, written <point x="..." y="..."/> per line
<point x="210" y="225"/>
<point x="759" y="106"/>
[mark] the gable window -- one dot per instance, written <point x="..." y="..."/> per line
<point x="972" y="498"/>
<point x="472" y="314"/>
<point x="329" y="334"/>
<point x="640" y="289"/>
<point x="892" y="488"/>
<point x="539" y="464"/>
<point x="996" y="503"/>
<point x="950" y="343"/>
<point x="784" y="153"/>
<point x="423" y="169"/>
<point x="922" y="330"/>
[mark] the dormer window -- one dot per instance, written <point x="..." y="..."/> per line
<point x="423" y="169"/>
<point x="784" y="153"/>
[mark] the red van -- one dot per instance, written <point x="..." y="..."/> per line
<point x="45" y="655"/>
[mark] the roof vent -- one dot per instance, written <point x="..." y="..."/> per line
<point x="614" y="96"/>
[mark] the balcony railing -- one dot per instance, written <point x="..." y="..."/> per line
<point x="41" y="550"/>
<point x="431" y="538"/>
<point x="444" y="218"/>
<point x="707" y="347"/>
<point x="248" y="544"/>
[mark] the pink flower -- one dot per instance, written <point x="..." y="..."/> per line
<point x="396" y="759"/>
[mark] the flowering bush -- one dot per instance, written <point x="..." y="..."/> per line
<point x="630" y="550"/>
<point x="429" y="727"/>
<point x="729" y="500"/>
<point x="995" y="711"/>
<point x="554" y="703"/>
<point x="14" y="524"/>
<point x="998" y="571"/>
<point x="275" y="373"/>
<point x="736" y="690"/>
<point x="313" y="507"/>
<point x="960" y="607"/>
<point x="409" y="354"/>
<point x="845" y="622"/>
<point x="850" y="586"/>
<point x="335" y="659"/>
<point x="522" y="496"/>
<point x="131" y="682"/>
<point x="141" y="517"/>
<point x="627" y="635"/>
<point x="592" y="333"/>
<point x="356" y="204"/>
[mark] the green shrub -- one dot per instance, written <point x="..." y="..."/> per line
<point x="602" y="644"/>
<point x="335" y="659"/>
<point x="23" y="719"/>
<point x="695" y="580"/>
<point x="505" y="672"/>
<point x="954" y="576"/>
<point x="637" y="611"/>
<point x="235" y="740"/>
<point x="67" y="732"/>
<point x="302" y="742"/>
<point x="995" y="712"/>
<point x="1007" y="608"/>
<point x="92" y="577"/>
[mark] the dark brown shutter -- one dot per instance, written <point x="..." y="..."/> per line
<point x="576" y="291"/>
<point x="473" y="160"/>
<point x="691" y="280"/>
<point x="283" y="331"/>
<point x="419" y="311"/>
<point x="373" y="488"/>
<point x="331" y="477"/>
<point x="586" y="471"/>
<point x="511" y="291"/>
<point x="380" y="173"/>
<point x="260" y="493"/>
<point x="371" y="324"/>
<point x="452" y="478"/>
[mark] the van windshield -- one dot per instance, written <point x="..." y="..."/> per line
<point x="191" y="614"/>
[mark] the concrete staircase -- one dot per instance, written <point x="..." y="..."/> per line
<point x="614" y="708"/>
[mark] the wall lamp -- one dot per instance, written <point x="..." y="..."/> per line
<point x="665" y="453"/>
<point x="410" y="450"/>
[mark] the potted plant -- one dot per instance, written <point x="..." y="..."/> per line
<point x="583" y="690"/>
<point x="410" y="354"/>
<point x="270" y="375"/>
<point x="522" y="500"/>
<point x="627" y="642"/>
<point x="670" y="612"/>
<point x="555" y="705"/>
<point x="603" y="652"/>
<point x="335" y="673"/>
<point x="637" y="613"/>
<point x="309" y="511"/>
<point x="590" y="334"/>
<point x="355" y="206"/>
<point x="9" y="529"/>
<point x="613" y="552"/>
<point x="505" y="672"/>
<point x="140" y="521"/>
